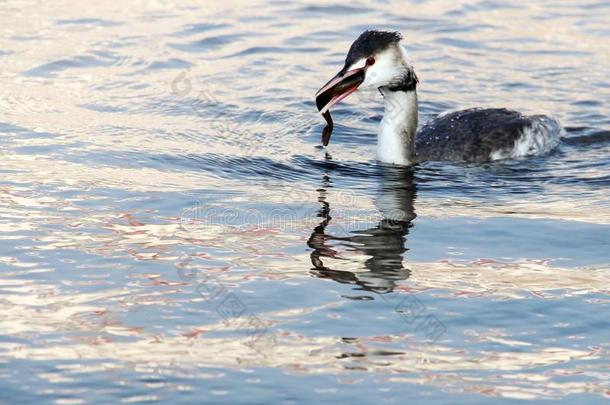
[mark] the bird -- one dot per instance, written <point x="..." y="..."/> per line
<point x="377" y="59"/>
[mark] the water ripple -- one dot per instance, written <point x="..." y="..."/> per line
<point x="171" y="228"/>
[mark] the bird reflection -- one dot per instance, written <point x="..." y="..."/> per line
<point x="384" y="244"/>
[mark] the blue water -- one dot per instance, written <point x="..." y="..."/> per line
<point x="171" y="230"/>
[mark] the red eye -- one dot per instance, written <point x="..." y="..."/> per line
<point x="370" y="61"/>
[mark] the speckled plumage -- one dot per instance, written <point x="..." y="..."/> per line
<point x="470" y="135"/>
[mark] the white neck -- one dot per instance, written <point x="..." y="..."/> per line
<point x="396" y="135"/>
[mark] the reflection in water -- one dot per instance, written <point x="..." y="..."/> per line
<point x="384" y="243"/>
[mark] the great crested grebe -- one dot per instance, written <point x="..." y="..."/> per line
<point x="377" y="60"/>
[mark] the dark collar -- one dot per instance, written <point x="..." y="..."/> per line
<point x="408" y="82"/>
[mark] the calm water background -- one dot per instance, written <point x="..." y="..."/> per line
<point x="171" y="230"/>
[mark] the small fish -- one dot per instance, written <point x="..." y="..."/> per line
<point x="328" y="129"/>
<point x="339" y="87"/>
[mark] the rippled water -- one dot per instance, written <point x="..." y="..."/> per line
<point x="172" y="231"/>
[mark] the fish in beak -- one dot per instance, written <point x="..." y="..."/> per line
<point x="338" y="88"/>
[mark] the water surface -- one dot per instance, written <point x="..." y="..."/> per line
<point x="172" y="231"/>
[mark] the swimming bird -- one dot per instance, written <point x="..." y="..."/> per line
<point x="378" y="60"/>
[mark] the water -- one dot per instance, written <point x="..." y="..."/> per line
<point x="172" y="232"/>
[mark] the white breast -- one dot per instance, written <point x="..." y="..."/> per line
<point x="397" y="128"/>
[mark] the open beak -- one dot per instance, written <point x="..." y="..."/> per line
<point x="338" y="88"/>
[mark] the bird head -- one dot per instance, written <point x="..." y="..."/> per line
<point x="375" y="60"/>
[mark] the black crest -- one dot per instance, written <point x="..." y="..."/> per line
<point x="370" y="42"/>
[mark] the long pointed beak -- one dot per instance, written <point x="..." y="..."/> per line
<point x="338" y="88"/>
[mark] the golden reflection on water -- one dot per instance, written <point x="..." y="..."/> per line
<point x="409" y="361"/>
<point x="102" y="166"/>
<point x="31" y="308"/>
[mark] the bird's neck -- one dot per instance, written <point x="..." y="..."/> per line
<point x="396" y="136"/>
